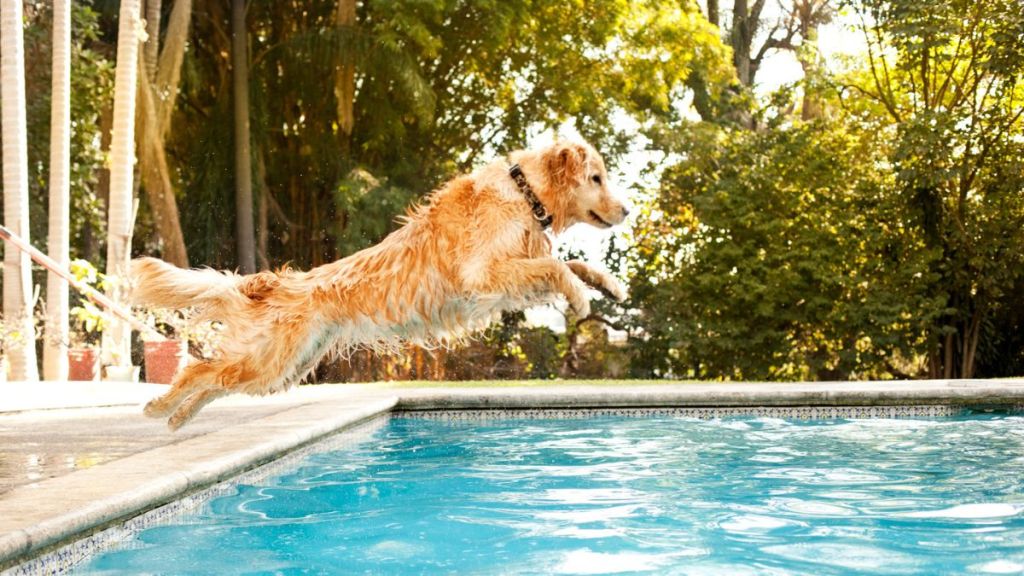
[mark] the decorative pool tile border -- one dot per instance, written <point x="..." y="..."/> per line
<point x="703" y="413"/>
<point x="63" y="559"/>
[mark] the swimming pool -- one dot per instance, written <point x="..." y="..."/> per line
<point x="620" y="495"/>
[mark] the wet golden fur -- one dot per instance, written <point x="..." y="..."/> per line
<point x="471" y="251"/>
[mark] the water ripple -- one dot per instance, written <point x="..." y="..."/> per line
<point x="661" y="496"/>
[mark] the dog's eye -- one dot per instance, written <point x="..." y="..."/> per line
<point x="596" y="178"/>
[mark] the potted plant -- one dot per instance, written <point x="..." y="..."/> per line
<point x="87" y="323"/>
<point x="83" y="350"/>
<point x="185" y="337"/>
<point x="163" y="358"/>
<point x="87" y="326"/>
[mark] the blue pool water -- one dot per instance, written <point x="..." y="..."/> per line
<point x="616" y="495"/>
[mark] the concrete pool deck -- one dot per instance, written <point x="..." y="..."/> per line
<point x="75" y="457"/>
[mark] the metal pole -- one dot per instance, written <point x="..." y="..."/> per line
<point x="91" y="293"/>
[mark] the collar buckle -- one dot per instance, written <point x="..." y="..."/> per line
<point x="540" y="214"/>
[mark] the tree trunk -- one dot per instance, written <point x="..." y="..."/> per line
<point x="17" y="291"/>
<point x="741" y="39"/>
<point x="157" y="93"/>
<point x="156" y="178"/>
<point x="168" y="72"/>
<point x="243" y="155"/>
<point x="152" y="49"/>
<point x="120" y="213"/>
<point x="971" y="346"/>
<point x="713" y="14"/>
<point x="263" y="230"/>
<point x="345" y="83"/>
<point x="55" y="349"/>
<point x="809" y="58"/>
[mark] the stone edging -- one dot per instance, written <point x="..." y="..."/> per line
<point x="217" y="456"/>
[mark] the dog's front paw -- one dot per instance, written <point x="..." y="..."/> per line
<point x="580" y="306"/>
<point x="578" y="300"/>
<point x="611" y="288"/>
<point x="601" y="281"/>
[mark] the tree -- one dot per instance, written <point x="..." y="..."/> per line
<point x="777" y="255"/>
<point x="90" y="94"/>
<point x="752" y="34"/>
<point x="55" y="355"/>
<point x="17" y="291"/>
<point x="243" y="150"/>
<point x="884" y="239"/>
<point x="345" y="81"/>
<point x="806" y="17"/>
<point x="120" y="208"/>
<point x="946" y="80"/>
<point x="157" y="94"/>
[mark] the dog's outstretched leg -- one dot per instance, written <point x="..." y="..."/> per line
<point x="195" y="376"/>
<point x="597" y="279"/>
<point x="523" y="275"/>
<point x="191" y="406"/>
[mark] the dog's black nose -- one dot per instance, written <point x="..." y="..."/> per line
<point x="625" y="211"/>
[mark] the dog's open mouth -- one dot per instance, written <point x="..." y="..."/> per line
<point x="597" y="219"/>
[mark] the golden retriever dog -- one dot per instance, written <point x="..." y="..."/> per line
<point x="474" y="248"/>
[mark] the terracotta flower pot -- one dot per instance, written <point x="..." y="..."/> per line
<point x="83" y="364"/>
<point x="163" y="359"/>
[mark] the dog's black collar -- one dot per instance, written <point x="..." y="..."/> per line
<point x="540" y="214"/>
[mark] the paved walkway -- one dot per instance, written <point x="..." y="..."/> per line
<point x="48" y="429"/>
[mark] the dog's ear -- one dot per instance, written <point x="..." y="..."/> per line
<point x="565" y="164"/>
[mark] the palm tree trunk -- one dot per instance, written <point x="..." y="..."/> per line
<point x="55" y="350"/>
<point x="243" y="153"/>
<point x="345" y="83"/>
<point x="17" y="290"/>
<point x="120" y="215"/>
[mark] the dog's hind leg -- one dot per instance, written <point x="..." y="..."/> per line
<point x="192" y="405"/>
<point x="195" y="376"/>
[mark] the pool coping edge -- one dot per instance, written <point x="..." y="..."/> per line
<point x="279" y="437"/>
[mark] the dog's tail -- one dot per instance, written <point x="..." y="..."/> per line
<point x="158" y="284"/>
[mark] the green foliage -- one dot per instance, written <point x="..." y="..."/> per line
<point x="948" y="78"/>
<point x="368" y="208"/>
<point x="87" y="320"/>
<point x="442" y="85"/>
<point x="885" y="240"/>
<point x="776" y="255"/>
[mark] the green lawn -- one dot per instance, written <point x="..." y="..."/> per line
<point x="527" y="383"/>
